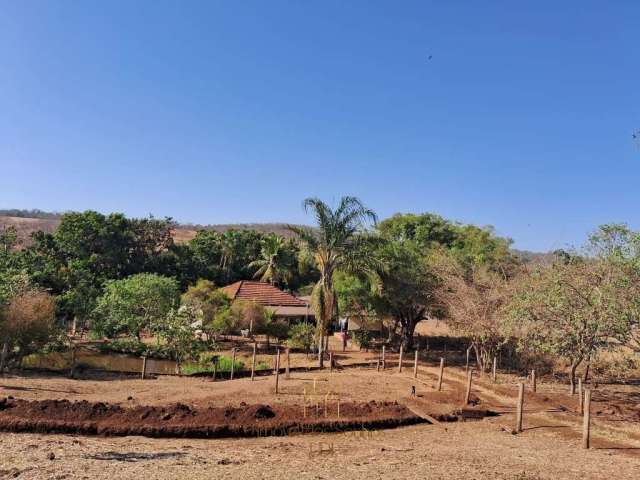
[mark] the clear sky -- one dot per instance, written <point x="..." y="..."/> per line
<point x="513" y="114"/>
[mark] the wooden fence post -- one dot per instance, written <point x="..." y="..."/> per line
<point x="415" y="365"/>
<point x="378" y="365"/>
<point x="330" y="362"/>
<point x="533" y="381"/>
<point x="233" y="362"/>
<point x="253" y="361"/>
<point x="277" y="369"/>
<point x="519" y="407"/>
<point x="586" y="422"/>
<point x="581" y="397"/>
<point x="467" y="395"/>
<point x="288" y="366"/>
<point x="400" y="360"/>
<point x="495" y="365"/>
<point x="383" y="359"/>
<point x="215" y="371"/>
<point x="144" y="367"/>
<point x="441" y="373"/>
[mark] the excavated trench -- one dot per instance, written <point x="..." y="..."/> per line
<point x="184" y="421"/>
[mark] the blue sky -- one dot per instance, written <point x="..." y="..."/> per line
<point x="226" y="112"/>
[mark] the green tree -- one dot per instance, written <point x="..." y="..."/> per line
<point x="471" y="245"/>
<point x="276" y="262"/>
<point x="178" y="331"/>
<point x="133" y="304"/>
<point x="425" y="230"/>
<point x="407" y="288"/>
<point x="338" y="243"/>
<point x="209" y="300"/>
<point x="575" y="309"/>
<point x="301" y="336"/>
<point x="225" y="257"/>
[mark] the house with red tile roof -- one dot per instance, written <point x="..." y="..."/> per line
<point x="283" y="304"/>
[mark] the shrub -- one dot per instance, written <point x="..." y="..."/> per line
<point x="135" y="303"/>
<point x="26" y="324"/>
<point x="301" y="336"/>
<point x="362" y="338"/>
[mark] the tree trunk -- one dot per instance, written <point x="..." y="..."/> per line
<point x="3" y="355"/>
<point x="320" y="352"/>
<point x="572" y="378"/>
<point x="408" y="327"/>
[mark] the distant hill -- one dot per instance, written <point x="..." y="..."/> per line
<point x="28" y="221"/>
<point x="534" y="258"/>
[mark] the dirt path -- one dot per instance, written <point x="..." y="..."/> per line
<point x="550" y="408"/>
<point x="473" y="450"/>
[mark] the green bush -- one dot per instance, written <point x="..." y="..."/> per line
<point x="278" y="330"/>
<point x="262" y="366"/>
<point x="301" y="336"/>
<point x="224" y="364"/>
<point x="362" y="338"/>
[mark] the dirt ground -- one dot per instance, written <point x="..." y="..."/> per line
<point x="549" y="447"/>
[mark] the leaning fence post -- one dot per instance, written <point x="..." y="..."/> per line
<point x="277" y="369"/>
<point x="495" y="362"/>
<point x="467" y="395"/>
<point x="400" y="360"/>
<point x="253" y="361"/>
<point x="533" y="381"/>
<point x="580" y="397"/>
<point x="441" y="373"/>
<point x="233" y="362"/>
<point x="586" y="422"/>
<point x="466" y="368"/>
<point x="415" y="365"/>
<point x="144" y="367"/>
<point x="519" y="407"/>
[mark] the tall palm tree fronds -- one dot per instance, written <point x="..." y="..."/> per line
<point x="339" y="242"/>
<point x="275" y="262"/>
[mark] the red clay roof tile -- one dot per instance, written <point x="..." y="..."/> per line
<point x="262" y="293"/>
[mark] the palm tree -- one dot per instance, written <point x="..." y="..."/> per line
<point x="275" y="262"/>
<point x="338" y="243"/>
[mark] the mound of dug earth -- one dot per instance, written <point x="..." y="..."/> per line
<point x="180" y="420"/>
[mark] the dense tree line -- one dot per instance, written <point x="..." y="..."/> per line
<point x="127" y="276"/>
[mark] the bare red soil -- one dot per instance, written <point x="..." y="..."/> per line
<point x="180" y="420"/>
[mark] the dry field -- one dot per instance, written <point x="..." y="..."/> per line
<point x="549" y="447"/>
